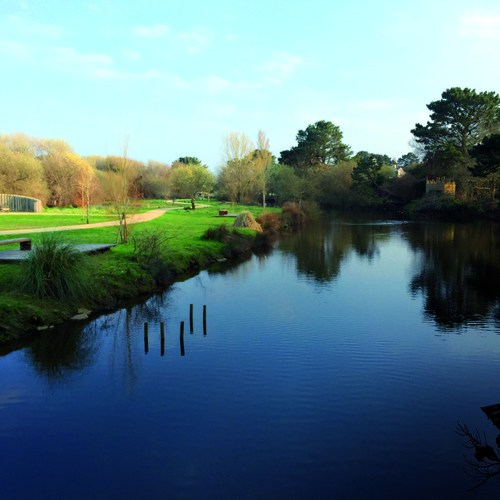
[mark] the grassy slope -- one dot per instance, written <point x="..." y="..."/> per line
<point x="117" y="275"/>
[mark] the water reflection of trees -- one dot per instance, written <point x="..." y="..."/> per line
<point x="320" y="248"/>
<point x="459" y="272"/>
<point x="57" y="354"/>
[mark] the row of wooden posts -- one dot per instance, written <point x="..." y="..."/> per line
<point x="162" y="331"/>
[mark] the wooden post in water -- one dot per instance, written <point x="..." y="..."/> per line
<point x="182" y="338"/>
<point x="162" y="334"/>
<point x="191" y="318"/>
<point x="204" y="320"/>
<point x="146" y="345"/>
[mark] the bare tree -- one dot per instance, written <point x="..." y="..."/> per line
<point x="121" y="183"/>
<point x="87" y="184"/>
<point x="263" y="160"/>
<point x="238" y="172"/>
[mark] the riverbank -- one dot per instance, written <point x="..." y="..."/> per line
<point x="157" y="253"/>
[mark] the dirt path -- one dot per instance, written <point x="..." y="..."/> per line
<point x="131" y="219"/>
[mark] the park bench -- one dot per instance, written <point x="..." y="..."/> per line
<point x="4" y="209"/>
<point x="25" y="243"/>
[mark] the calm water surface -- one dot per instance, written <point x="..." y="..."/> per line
<point x="338" y="366"/>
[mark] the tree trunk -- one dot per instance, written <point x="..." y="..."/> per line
<point x="88" y="208"/>
<point x="192" y="204"/>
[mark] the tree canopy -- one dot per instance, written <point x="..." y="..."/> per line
<point x="190" y="179"/>
<point x="408" y="159"/>
<point x="319" y="146"/>
<point x="459" y="121"/>
<point x="487" y="156"/>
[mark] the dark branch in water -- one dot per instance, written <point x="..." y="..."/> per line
<point x="485" y="464"/>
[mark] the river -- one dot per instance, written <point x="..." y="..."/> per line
<point x="341" y="365"/>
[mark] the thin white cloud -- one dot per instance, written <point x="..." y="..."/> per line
<point x="372" y="105"/>
<point x="196" y="41"/>
<point x="281" y="67"/>
<point x="33" y="28"/>
<point x="212" y="84"/>
<point x="131" y="55"/>
<point x="217" y="110"/>
<point x="166" y="80"/>
<point x="248" y="85"/>
<point x="94" y="7"/>
<point x="151" y="32"/>
<point x="480" y="27"/>
<point x="64" y="59"/>
<point x="21" y="52"/>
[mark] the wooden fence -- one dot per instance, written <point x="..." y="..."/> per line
<point x="15" y="203"/>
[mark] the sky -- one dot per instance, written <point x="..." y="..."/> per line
<point x="175" y="77"/>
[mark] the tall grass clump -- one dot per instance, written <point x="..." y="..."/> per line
<point x="56" y="270"/>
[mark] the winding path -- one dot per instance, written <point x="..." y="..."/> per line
<point x="131" y="219"/>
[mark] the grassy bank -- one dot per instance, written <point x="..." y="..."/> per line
<point x="158" y="251"/>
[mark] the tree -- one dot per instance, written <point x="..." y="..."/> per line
<point x="335" y="183"/>
<point x="458" y="121"/>
<point x="61" y="171"/>
<point x="487" y="156"/>
<point x="380" y="159"/>
<point x="87" y="184"/>
<point x="319" y="146"/>
<point x="263" y="160"/>
<point x="190" y="179"/>
<point x="121" y="180"/>
<point x="238" y="174"/>
<point x="406" y="160"/>
<point x="155" y="179"/>
<point x="188" y="160"/>
<point x="366" y="171"/>
<point x="21" y="174"/>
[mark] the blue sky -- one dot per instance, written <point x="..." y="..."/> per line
<point x="176" y="76"/>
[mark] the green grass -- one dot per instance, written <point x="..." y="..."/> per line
<point x="16" y="221"/>
<point x="117" y="275"/>
<point x="107" y="208"/>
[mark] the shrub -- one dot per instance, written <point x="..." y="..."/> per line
<point x="292" y="215"/>
<point x="235" y="244"/>
<point x="56" y="270"/>
<point x="150" y="245"/>
<point x="150" y="248"/>
<point x="216" y="233"/>
<point x="311" y="209"/>
<point x="269" y="222"/>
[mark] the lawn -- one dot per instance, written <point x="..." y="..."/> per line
<point x="118" y="274"/>
<point x="14" y="221"/>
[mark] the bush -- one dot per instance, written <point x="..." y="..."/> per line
<point x="216" y="233"/>
<point x="56" y="270"/>
<point x="269" y="222"/>
<point x="292" y="215"/>
<point x="311" y="209"/>
<point x="150" y="245"/>
<point x="235" y="244"/>
<point x="150" y="248"/>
